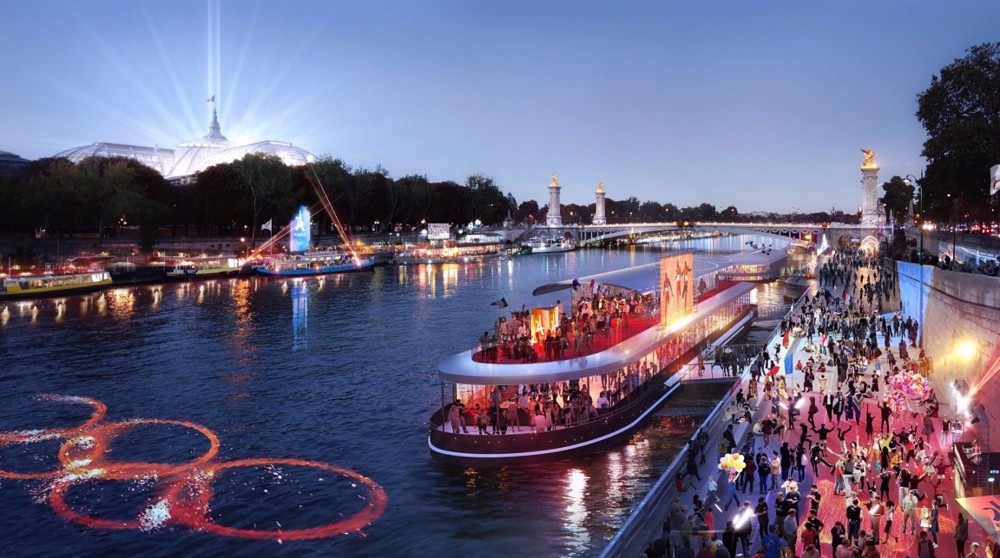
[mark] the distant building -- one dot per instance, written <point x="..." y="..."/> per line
<point x="11" y="164"/>
<point x="180" y="165"/>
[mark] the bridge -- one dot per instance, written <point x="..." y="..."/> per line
<point x="595" y="234"/>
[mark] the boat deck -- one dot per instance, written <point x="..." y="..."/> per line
<point x="599" y="341"/>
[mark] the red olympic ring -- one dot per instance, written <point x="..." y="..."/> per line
<point x="34" y="436"/>
<point x="188" y="492"/>
<point x="28" y="436"/>
<point x="94" y="444"/>
<point x="192" y="497"/>
<point x="58" y="502"/>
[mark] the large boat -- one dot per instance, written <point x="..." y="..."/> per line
<point x="202" y="268"/>
<point x="38" y="286"/>
<point x="129" y="273"/>
<point x="555" y="385"/>
<point x="449" y="253"/>
<point x="549" y="245"/>
<point x="317" y="263"/>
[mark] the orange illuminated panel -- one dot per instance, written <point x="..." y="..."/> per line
<point x="544" y="321"/>
<point x="676" y="287"/>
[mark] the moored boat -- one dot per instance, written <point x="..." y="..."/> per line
<point x="39" y="286"/>
<point x="301" y="265"/>
<point x="203" y="268"/>
<point x="550" y="245"/>
<point x="553" y="385"/>
<point x="128" y="273"/>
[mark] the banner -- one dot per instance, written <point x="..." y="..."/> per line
<point x="438" y="231"/>
<point x="676" y="287"/>
<point x="301" y="234"/>
<point x="994" y="179"/>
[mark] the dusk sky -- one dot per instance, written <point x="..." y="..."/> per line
<point x="763" y="105"/>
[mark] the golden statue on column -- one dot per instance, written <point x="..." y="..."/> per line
<point x="555" y="180"/>
<point x="869" y="162"/>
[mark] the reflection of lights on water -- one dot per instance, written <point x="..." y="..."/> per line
<point x="449" y="277"/>
<point x="614" y="475"/>
<point x="4" y="315"/>
<point x="576" y="509"/>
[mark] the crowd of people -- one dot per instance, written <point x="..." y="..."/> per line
<point x="600" y="311"/>
<point x="834" y="452"/>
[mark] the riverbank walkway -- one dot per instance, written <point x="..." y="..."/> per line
<point x="681" y="527"/>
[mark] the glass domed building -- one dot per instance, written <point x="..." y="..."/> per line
<point x="180" y="165"/>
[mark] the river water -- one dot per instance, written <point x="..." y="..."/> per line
<point x="339" y="372"/>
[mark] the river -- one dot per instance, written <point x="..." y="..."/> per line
<point x="337" y="371"/>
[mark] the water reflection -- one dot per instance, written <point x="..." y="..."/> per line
<point x="576" y="508"/>
<point x="261" y="397"/>
<point x="300" y="315"/>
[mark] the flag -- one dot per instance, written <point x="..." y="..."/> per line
<point x="576" y="284"/>
<point x="994" y="179"/>
<point x="210" y="99"/>
<point x="267" y="226"/>
<point x="501" y="304"/>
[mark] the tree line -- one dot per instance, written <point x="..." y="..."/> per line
<point x="103" y="196"/>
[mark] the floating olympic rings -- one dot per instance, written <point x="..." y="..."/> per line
<point x="88" y="449"/>
<point x="42" y="435"/>
<point x="184" y="490"/>
<point x="28" y="436"/>
<point x="193" y="495"/>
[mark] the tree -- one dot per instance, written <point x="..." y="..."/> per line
<point x="526" y="211"/>
<point x="961" y="113"/>
<point x="730" y="214"/>
<point x="112" y="191"/>
<point x="489" y="204"/>
<point x="897" y="199"/>
<point x="268" y="183"/>
<point x="651" y="212"/>
<point x="334" y="176"/>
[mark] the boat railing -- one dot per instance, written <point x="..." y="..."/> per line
<point x="603" y="338"/>
<point x="625" y="404"/>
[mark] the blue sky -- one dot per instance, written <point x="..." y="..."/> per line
<point x="762" y="104"/>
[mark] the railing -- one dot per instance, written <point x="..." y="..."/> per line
<point x="643" y="524"/>
<point x="774" y="312"/>
<point x="635" y="534"/>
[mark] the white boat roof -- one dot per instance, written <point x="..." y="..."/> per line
<point x="462" y="369"/>
<point x="641" y="278"/>
<point x="759" y="257"/>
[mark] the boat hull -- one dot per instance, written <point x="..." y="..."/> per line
<point x="605" y="432"/>
<point x="138" y="275"/>
<point x="203" y="273"/>
<point x="471" y="450"/>
<point x="16" y="293"/>
<point x="323" y="270"/>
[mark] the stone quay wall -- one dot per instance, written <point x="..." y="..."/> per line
<point x="961" y="317"/>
